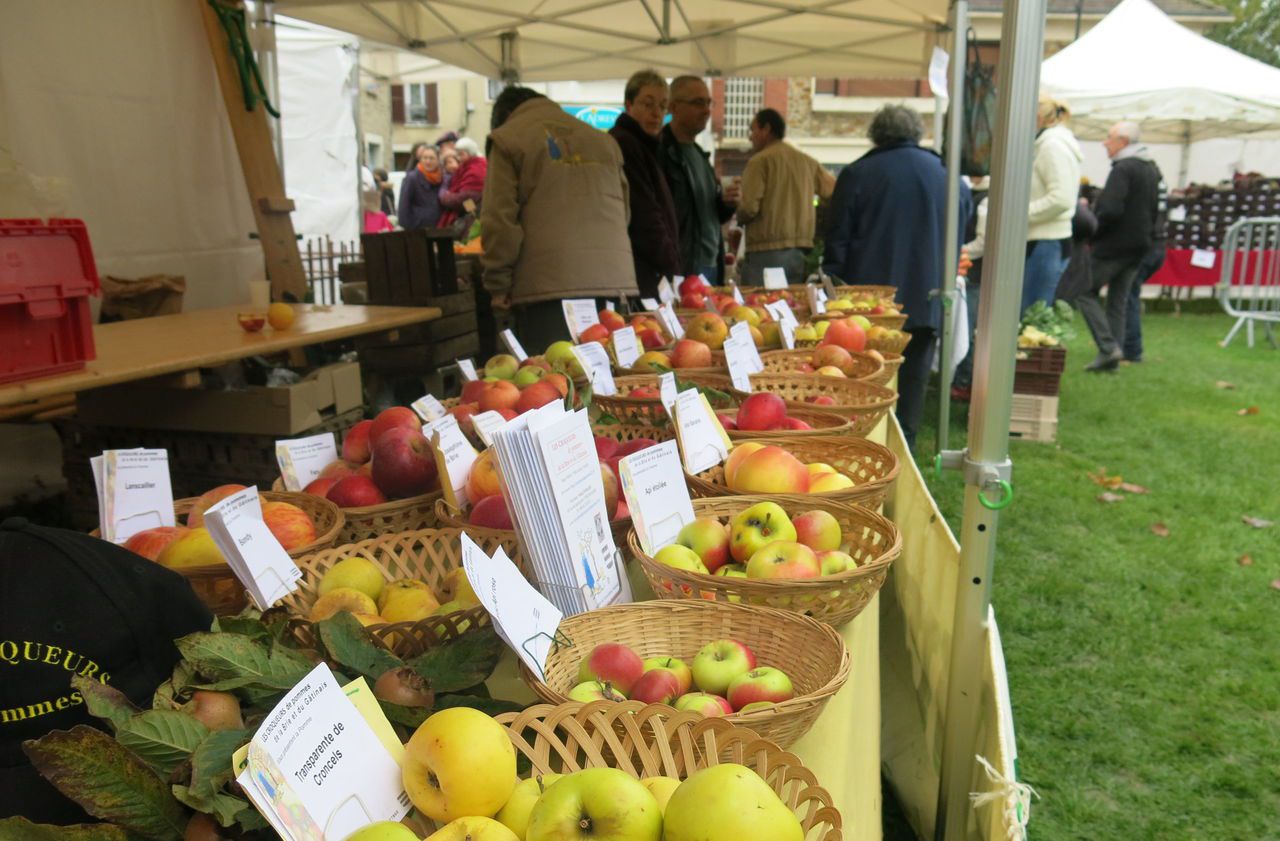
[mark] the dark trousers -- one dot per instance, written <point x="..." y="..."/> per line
<point x="1115" y="274"/>
<point x="1150" y="264"/>
<point x="539" y="325"/>
<point x="913" y="378"/>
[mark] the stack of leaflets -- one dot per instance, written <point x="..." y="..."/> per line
<point x="250" y="549"/>
<point x="553" y="489"/>
<point x="134" y="493"/>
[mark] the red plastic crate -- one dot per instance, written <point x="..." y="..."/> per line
<point x="47" y="274"/>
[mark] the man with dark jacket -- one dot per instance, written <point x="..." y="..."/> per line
<point x="887" y="225"/>
<point x="1126" y="211"/>
<point x="701" y="206"/>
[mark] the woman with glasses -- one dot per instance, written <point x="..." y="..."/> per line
<point x="652" y="227"/>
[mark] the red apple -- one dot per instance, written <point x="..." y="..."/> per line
<point x="500" y="395"/>
<point x="693" y="283"/>
<point x="536" y="396"/>
<point x="846" y="333"/>
<point x="763" y="683"/>
<point x="606" y="448"/>
<point x="320" y="486"/>
<point x="689" y="353"/>
<point x="818" y="530"/>
<point x="794" y="423"/>
<point x="705" y="703"/>
<point x="611" y="487"/>
<point x="612" y="663"/>
<point x="292" y="526"/>
<point x="472" y="389"/>
<point x="657" y="686"/>
<point x="822" y="400"/>
<point x="762" y="411"/>
<point x="356" y="491"/>
<point x="594" y="333"/>
<point x="693" y="301"/>
<point x="465" y="414"/>
<point x="635" y="445"/>
<point x="151" y="542"/>
<point x="355" y="444"/>
<point x="727" y="421"/>
<point x="338" y="469"/>
<point x="208" y="499"/>
<point x="612" y="320"/>
<point x="397" y="417"/>
<point x="491" y="513"/>
<point x="784" y="559"/>
<point x="707" y="537"/>
<point x="403" y="464"/>
<point x="645" y="392"/>
<point x="684" y="675"/>
<point x="651" y="338"/>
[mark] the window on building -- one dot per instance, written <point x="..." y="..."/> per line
<point x="415" y="105"/>
<point x="871" y="87"/>
<point x="742" y="99"/>
<point x="373" y="154"/>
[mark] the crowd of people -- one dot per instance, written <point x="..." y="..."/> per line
<point x="566" y="211"/>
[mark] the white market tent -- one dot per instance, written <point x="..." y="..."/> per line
<point x="1138" y="64"/>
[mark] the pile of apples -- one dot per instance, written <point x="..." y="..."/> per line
<point x="846" y="338"/>
<point x="761" y="412"/>
<point x="762" y="542"/>
<point x="357" y="586"/>
<point x="484" y="487"/>
<point x="865" y="304"/>
<point x="757" y="468"/>
<point x="382" y="459"/>
<point x="723" y="678"/>
<point x="459" y="769"/>
<point x="648" y="329"/>
<point x="185" y="547"/>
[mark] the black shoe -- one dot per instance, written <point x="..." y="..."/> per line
<point x="1105" y="362"/>
<point x="1134" y="360"/>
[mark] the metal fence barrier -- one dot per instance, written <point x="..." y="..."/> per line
<point x="1249" y="287"/>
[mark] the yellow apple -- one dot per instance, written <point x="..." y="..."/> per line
<point x="401" y="603"/>
<point x="826" y="482"/>
<point x="343" y="598"/>
<point x="728" y="803"/>
<point x="459" y="763"/>
<point x="458" y="588"/>
<point x="817" y="468"/>
<point x="193" y="549"/>
<point x="355" y="573"/>
<point x="599" y="803"/>
<point x="661" y="788"/>
<point x="515" y="814"/>
<point x="473" y="829"/>
<point x="384" y="831"/>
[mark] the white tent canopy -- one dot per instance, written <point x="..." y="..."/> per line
<point x="1138" y="64"/>
<point x="611" y="39"/>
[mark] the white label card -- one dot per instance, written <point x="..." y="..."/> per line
<point x="787" y="331"/>
<point x="657" y="495"/>
<point x="743" y="330"/>
<point x="626" y="349"/>
<point x="250" y="549"/>
<point x="522" y="616"/>
<point x="579" y="314"/>
<point x="828" y="287"/>
<point x="666" y="293"/>
<point x="456" y="455"/>
<point x="513" y="344"/>
<point x="486" y="424"/>
<point x="667" y="392"/>
<point x="817" y="299"/>
<point x="775" y="278"/>
<point x="610" y="306"/>
<point x="737" y="296"/>
<point x="703" y="442"/>
<point x="649" y="304"/>
<point x="302" y="459"/>
<point x="671" y="321"/>
<point x="1204" y="258"/>
<point x="595" y="361"/>
<point x="738" y="359"/>
<point x="468" y="369"/>
<point x="786" y="319"/>
<point x="137" y="491"/>
<point x="429" y="408"/>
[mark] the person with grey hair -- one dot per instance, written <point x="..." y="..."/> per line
<point x="1128" y="210"/>
<point x="460" y="198"/>
<point x="655" y="239"/>
<point x="887" y="225"/>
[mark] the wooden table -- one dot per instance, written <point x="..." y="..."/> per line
<point x="170" y="344"/>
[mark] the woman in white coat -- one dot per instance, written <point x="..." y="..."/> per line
<point x="1055" y="184"/>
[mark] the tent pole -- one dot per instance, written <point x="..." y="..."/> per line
<point x="986" y="465"/>
<point x="951" y="250"/>
<point x="268" y="58"/>
<point x="1184" y="164"/>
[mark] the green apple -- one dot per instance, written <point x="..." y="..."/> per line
<point x="473" y="828"/>
<point x="718" y="663"/>
<point x="674" y="665"/>
<point x="560" y="354"/>
<point x="708" y="537"/>
<point x="763" y="683"/>
<point x="503" y="366"/>
<point x="528" y="376"/>
<point x="732" y="571"/>
<point x="594" y="690"/>
<point x="758" y="525"/>
<point x="661" y="788"/>
<point x="601" y="804"/>
<point x="681" y="557"/>
<point x="835" y="562"/>
<point x="861" y="320"/>
<point x="515" y="815"/>
<point x="728" y="803"/>
<point x="383" y="831"/>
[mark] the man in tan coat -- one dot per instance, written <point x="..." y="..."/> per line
<point x="554" y="216"/>
<point x="776" y="208"/>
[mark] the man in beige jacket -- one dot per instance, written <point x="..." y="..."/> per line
<point x="776" y="208"/>
<point x="554" y="216"/>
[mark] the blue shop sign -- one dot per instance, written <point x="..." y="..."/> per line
<point x="599" y="116"/>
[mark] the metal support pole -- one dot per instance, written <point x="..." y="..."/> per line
<point x="267" y="56"/>
<point x="951" y="249"/>
<point x="939" y="117"/>
<point x="987" y="464"/>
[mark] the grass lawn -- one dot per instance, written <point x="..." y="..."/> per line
<point x="1145" y="670"/>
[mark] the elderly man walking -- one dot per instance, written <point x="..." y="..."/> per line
<point x="1127" y="210"/>
<point x="776" y="207"/>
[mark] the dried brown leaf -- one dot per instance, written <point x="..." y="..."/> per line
<point x="1129" y="487"/>
<point x="1256" y="522"/>
<point x="1223" y="384"/>
<point x="1251" y="410"/>
<point x="1275" y="585"/>
<point x="1107" y="496"/>
<point x="1245" y="560"/>
<point x="1101" y="478"/>
<point x="1159" y="529"/>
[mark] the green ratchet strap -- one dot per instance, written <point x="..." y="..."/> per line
<point x="251" y="84"/>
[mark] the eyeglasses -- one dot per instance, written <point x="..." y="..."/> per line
<point x="705" y="102"/>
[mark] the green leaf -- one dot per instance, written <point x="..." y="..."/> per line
<point x="109" y="704"/>
<point x="168" y="695"/>
<point x="108" y="782"/>
<point x="491" y="706"/>
<point x="248" y="626"/>
<point x="211" y="761"/>
<point x="21" y="829"/>
<point x="223" y="807"/>
<point x="409" y="717"/>
<point x="460" y="663"/>
<point x="348" y="643"/>
<point x="251" y="819"/>
<point x="233" y="661"/>
<point x="162" y="738"/>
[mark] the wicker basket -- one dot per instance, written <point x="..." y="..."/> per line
<point x="872" y="467"/>
<point x="658" y="741"/>
<point x="217" y="586"/>
<point x="649" y="410"/>
<point x="892" y="362"/>
<point x="812" y="654"/>
<point x="887" y="320"/>
<point x="894" y="344"/>
<point x="718" y="366"/>
<point x="425" y="554"/>
<point x="863" y="404"/>
<point x="865" y="367"/>
<point x="873" y="541"/>
<point x="860" y="290"/>
<point x="409" y="514"/>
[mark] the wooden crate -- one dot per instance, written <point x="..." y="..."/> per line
<point x="1041" y="372"/>
<point x="409" y="268"/>
<point x="1034" y="418"/>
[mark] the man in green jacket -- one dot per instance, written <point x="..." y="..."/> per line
<point x="701" y="205"/>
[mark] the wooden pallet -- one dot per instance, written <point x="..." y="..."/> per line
<point x="1034" y="417"/>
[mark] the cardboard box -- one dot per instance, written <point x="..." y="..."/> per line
<point x="260" y="410"/>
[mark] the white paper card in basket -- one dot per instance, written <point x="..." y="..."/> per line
<point x="817" y="299"/>
<point x="250" y="549"/>
<point x="135" y="492"/>
<point x="667" y="392"/>
<point x="666" y="293"/>
<point x="522" y="616"/>
<point x="626" y="349"/>
<point x="741" y="328"/>
<point x="513" y="344"/>
<point x="703" y="442"/>
<point x="657" y="494"/>
<point x="775" y="278"/>
<point x="428" y="407"/>
<point x="671" y="321"/>
<point x="454" y="457"/>
<point x="302" y="459"/>
<point x="595" y="361"/>
<point x="579" y="314"/>
<point x="649" y="304"/>
<point x="487" y="423"/>
<point x="468" y="369"/>
<point x="738" y="360"/>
